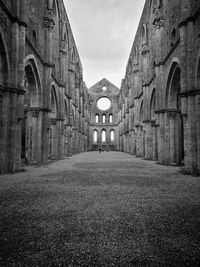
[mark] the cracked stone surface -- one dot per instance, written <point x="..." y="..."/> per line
<point x="100" y="209"/>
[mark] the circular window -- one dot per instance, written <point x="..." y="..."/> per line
<point x="104" y="88"/>
<point x="103" y="103"/>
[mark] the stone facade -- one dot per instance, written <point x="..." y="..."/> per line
<point x="43" y="99"/>
<point x="159" y="116"/>
<point x="47" y="112"/>
<point x="103" y="130"/>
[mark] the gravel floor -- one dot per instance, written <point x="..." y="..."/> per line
<point x="100" y="209"/>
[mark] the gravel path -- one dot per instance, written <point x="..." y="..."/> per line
<point x="100" y="209"/>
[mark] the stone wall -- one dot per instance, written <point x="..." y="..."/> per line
<point x="43" y="99"/>
<point x="159" y="97"/>
<point x="103" y="122"/>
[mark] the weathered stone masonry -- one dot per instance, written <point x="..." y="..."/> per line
<point x="103" y="130"/>
<point x="159" y="117"/>
<point x="43" y="111"/>
<point x="46" y="111"/>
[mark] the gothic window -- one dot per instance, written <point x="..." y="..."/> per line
<point x="112" y="135"/>
<point x="64" y="33"/>
<point x="53" y="102"/>
<point x="104" y="118"/>
<point x="97" y="118"/>
<point x="110" y="118"/>
<point x="144" y="34"/>
<point x="95" y="136"/>
<point x="103" y="136"/>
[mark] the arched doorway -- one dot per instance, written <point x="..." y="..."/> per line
<point x="31" y="122"/>
<point x="176" y="129"/>
<point x="53" y="144"/>
<point x="154" y="126"/>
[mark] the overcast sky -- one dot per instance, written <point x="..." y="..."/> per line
<point x="104" y="31"/>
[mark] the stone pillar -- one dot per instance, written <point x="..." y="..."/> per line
<point x="161" y="139"/>
<point x="197" y="105"/>
<point x="48" y="24"/>
<point x="172" y="138"/>
<point x="155" y="142"/>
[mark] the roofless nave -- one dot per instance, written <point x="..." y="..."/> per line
<point x="46" y="110"/>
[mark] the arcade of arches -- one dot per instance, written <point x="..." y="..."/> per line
<point x="47" y="112"/>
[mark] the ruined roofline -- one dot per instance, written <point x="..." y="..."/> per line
<point x="102" y="80"/>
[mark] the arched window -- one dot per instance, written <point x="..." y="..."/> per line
<point x="144" y="34"/>
<point x="104" y="118"/>
<point x="103" y="136"/>
<point x="53" y="103"/>
<point x="110" y="118"/>
<point x="95" y="136"/>
<point x="97" y="118"/>
<point x="112" y="135"/>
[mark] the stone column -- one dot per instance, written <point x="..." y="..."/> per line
<point x="161" y="139"/>
<point x="172" y="138"/>
<point x="198" y="131"/>
<point x="155" y="142"/>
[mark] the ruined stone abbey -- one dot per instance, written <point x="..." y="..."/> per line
<point x="47" y="112"/>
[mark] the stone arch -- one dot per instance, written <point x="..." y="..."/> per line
<point x="31" y="123"/>
<point x="53" y="139"/>
<point x="32" y="76"/>
<point x="4" y="63"/>
<point x="172" y="98"/>
<point x="53" y="102"/>
<point x="173" y="105"/>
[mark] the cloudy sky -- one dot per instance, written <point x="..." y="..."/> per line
<point x="104" y="31"/>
